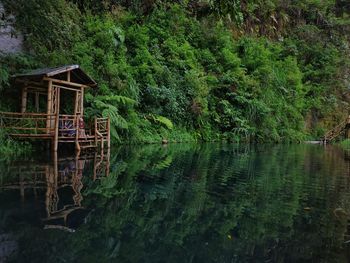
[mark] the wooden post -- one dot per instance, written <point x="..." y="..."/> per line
<point x="77" y="145"/>
<point x="108" y="133"/>
<point x="57" y="118"/>
<point x="102" y="144"/>
<point x="95" y="128"/>
<point x="76" y="103"/>
<point x="37" y="101"/>
<point x="49" y="107"/>
<point x="24" y="100"/>
<point x="82" y="101"/>
<point x="68" y="76"/>
<point x="77" y="120"/>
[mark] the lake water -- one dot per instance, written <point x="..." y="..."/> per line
<point x="179" y="203"/>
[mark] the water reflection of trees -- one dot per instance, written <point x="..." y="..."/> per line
<point x="210" y="203"/>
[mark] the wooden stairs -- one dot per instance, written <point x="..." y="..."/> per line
<point x="336" y="131"/>
<point x="95" y="137"/>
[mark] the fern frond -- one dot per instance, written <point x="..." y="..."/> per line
<point x="116" y="119"/>
<point x="164" y="121"/>
<point x="118" y="99"/>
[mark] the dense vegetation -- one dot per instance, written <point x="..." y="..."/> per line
<point x="264" y="70"/>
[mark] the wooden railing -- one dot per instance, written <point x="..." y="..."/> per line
<point x="102" y="131"/>
<point x="336" y="131"/>
<point x="38" y="123"/>
<point x="102" y="125"/>
<point x="68" y="125"/>
<point x="27" y="123"/>
<point x="60" y="128"/>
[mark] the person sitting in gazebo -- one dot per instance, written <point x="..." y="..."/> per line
<point x="66" y="127"/>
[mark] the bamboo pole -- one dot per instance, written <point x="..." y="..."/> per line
<point x="67" y="83"/>
<point x="49" y="106"/>
<point x="29" y="82"/>
<point x="25" y="129"/>
<point x="26" y="135"/>
<point x="35" y="88"/>
<point x="24" y="99"/>
<point x="108" y="133"/>
<point x="76" y="103"/>
<point x="82" y="102"/>
<point x="102" y="143"/>
<point x="77" y="145"/>
<point x="95" y="123"/>
<point x="37" y="101"/>
<point x="57" y="117"/>
<point x="30" y="114"/>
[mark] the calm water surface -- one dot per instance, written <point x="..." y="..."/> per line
<point x="179" y="203"/>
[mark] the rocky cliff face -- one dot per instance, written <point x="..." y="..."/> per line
<point x="10" y="42"/>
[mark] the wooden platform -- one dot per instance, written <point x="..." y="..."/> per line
<point x="34" y="126"/>
<point x="47" y="93"/>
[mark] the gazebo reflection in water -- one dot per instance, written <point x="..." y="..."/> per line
<point x="62" y="182"/>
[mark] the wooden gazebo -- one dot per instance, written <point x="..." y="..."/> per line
<point x="52" y="108"/>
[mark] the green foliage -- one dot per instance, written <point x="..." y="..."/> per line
<point x="230" y="8"/>
<point x="345" y="144"/>
<point x="107" y="106"/>
<point x="11" y="64"/>
<point x="257" y="78"/>
<point x="164" y="121"/>
<point x="11" y="149"/>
